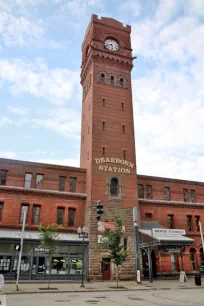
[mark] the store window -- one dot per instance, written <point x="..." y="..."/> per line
<point x="39" y="181"/>
<point x="59" y="265"/>
<point x="149" y="191"/>
<point x="25" y="264"/>
<point x="73" y="181"/>
<point x="185" y="195"/>
<point x="75" y="266"/>
<point x="1" y="210"/>
<point x="114" y="187"/>
<point x="28" y="180"/>
<point x="62" y="180"/>
<point x="140" y="191"/>
<point x="36" y="214"/>
<point x="167" y="193"/>
<point x="3" y="176"/>
<point x="60" y="215"/>
<point x="71" y="216"/>
<point x="5" y="264"/>
<point x="24" y="209"/>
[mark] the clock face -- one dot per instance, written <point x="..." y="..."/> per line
<point x="111" y="44"/>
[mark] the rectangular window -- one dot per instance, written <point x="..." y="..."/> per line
<point x="71" y="217"/>
<point x="60" y="215"/>
<point x="140" y="191"/>
<point x="39" y="181"/>
<point x="167" y="193"/>
<point x="104" y="102"/>
<point x="122" y="105"/>
<point x="124" y="154"/>
<point x="62" y="180"/>
<point x="148" y="215"/>
<point x="189" y="223"/>
<point x="72" y="185"/>
<point x="192" y="193"/>
<point x="28" y="180"/>
<point x="1" y="210"/>
<point x="123" y="129"/>
<point x="24" y="209"/>
<point x="185" y="195"/>
<point x="197" y="220"/>
<point x="149" y="191"/>
<point x="170" y="221"/>
<point x="103" y="151"/>
<point x="36" y="214"/>
<point x="3" y="177"/>
<point x="104" y="125"/>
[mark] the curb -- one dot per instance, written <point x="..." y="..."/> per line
<point x="103" y="290"/>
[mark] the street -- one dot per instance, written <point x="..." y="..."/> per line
<point x="172" y="297"/>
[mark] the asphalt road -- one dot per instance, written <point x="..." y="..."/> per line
<point x="182" y="297"/>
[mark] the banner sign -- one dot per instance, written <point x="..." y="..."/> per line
<point x="164" y="231"/>
<point x="174" y="248"/>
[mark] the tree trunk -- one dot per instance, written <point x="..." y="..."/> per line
<point x="117" y="275"/>
<point x="50" y="268"/>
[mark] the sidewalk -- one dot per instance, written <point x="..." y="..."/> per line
<point x="99" y="286"/>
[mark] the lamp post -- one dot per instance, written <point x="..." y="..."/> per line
<point x="83" y="233"/>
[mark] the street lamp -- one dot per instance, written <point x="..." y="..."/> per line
<point x="83" y="233"/>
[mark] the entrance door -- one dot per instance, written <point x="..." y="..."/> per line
<point x="145" y="264"/>
<point x="105" y="268"/>
<point x="41" y="266"/>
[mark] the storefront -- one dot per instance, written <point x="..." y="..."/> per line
<point x="162" y="249"/>
<point x="66" y="263"/>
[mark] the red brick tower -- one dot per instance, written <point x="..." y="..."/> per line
<point x="107" y="135"/>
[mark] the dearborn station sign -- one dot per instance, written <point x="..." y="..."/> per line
<point x="115" y="165"/>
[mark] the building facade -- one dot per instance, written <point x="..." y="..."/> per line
<point x="67" y="195"/>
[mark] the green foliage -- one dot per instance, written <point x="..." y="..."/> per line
<point x="112" y="241"/>
<point x="49" y="238"/>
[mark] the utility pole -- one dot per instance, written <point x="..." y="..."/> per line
<point x="21" y="250"/>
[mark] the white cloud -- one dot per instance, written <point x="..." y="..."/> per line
<point x="5" y="121"/>
<point x="7" y="155"/>
<point x="132" y="6"/>
<point x="56" y="85"/>
<point x="18" y="110"/>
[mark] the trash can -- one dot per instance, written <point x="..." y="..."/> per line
<point x="197" y="279"/>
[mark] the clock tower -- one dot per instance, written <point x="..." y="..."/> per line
<point x="107" y="135"/>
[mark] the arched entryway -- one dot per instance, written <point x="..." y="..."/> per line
<point x="145" y="267"/>
<point x="193" y="258"/>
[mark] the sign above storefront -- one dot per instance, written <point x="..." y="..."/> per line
<point x="112" y="167"/>
<point x="164" y="231"/>
<point x="174" y="248"/>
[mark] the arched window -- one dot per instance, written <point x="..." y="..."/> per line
<point x="102" y="78"/>
<point x="114" y="187"/>
<point x="121" y="82"/>
<point x="112" y="80"/>
<point x="193" y="258"/>
<point x="201" y="257"/>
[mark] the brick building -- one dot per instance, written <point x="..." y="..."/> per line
<point x="67" y="195"/>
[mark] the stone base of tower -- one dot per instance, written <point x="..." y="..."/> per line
<point x="99" y="258"/>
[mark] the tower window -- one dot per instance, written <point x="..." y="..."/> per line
<point x="104" y="124"/>
<point x="123" y="127"/>
<point x="124" y="154"/>
<point x="104" y="102"/>
<point x="122" y="105"/>
<point x="112" y="80"/>
<point x="103" y="151"/>
<point x="121" y="82"/>
<point x="102" y="78"/>
<point x="114" y="187"/>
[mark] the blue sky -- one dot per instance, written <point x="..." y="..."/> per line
<point x="40" y="93"/>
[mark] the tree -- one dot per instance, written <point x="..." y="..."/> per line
<point x="112" y="241"/>
<point x="49" y="240"/>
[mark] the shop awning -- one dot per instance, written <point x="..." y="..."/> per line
<point x="153" y="234"/>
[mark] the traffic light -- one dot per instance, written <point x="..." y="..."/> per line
<point x="17" y="247"/>
<point x="99" y="210"/>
